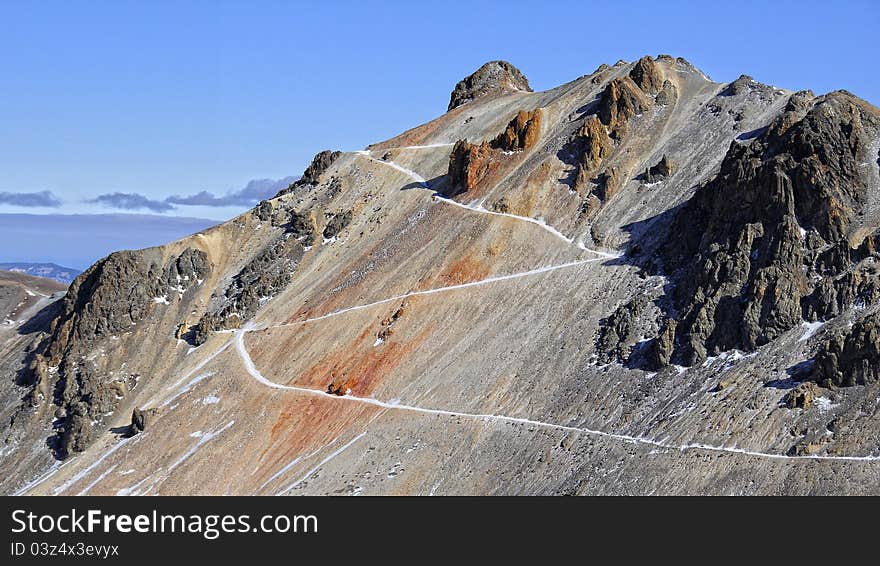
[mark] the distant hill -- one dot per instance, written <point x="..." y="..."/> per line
<point x="48" y="270"/>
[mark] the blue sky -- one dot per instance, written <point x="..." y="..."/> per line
<point x="172" y="98"/>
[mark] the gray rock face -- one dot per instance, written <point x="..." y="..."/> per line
<point x="110" y="297"/>
<point x="850" y="358"/>
<point x="337" y="222"/>
<point x="618" y="333"/>
<point x="258" y="281"/>
<point x="766" y="244"/>
<point x="494" y="77"/>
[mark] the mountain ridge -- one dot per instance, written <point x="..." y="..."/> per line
<point x="480" y="276"/>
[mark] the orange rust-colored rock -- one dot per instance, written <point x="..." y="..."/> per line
<point x="521" y="133"/>
<point x="621" y="100"/>
<point x="647" y="75"/>
<point x="470" y="164"/>
<point x="359" y="368"/>
<point x="597" y="146"/>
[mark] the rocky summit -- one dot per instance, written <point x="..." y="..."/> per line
<point x="638" y="282"/>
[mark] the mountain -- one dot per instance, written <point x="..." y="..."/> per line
<point x="47" y="270"/>
<point x="638" y="282"/>
<point x="20" y="293"/>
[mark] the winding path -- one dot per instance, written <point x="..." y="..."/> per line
<point x="478" y="207"/>
<point x="393" y="405"/>
<point x="434" y="291"/>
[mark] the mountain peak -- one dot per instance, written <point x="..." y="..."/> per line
<point x="493" y="77"/>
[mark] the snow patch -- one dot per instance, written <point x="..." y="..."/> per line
<point x="810" y="328"/>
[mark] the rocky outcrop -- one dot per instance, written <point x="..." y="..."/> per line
<point x="312" y="175"/>
<point x="801" y="396"/>
<point x="594" y="146"/>
<point x="111" y="297"/>
<point x="768" y="243"/>
<point x="470" y="163"/>
<point x="258" y="281"/>
<point x="620" y="101"/>
<point x="647" y="75"/>
<point x="116" y="293"/>
<point x="660" y="349"/>
<point x="619" y="332"/>
<point x="596" y="140"/>
<point x="336" y="223"/>
<point x="494" y="77"/>
<point x="521" y="133"/>
<point x="852" y="357"/>
<point x="141" y="419"/>
<point x="658" y="172"/>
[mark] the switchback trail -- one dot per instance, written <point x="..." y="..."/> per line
<point x="393" y="405"/>
<point x="478" y="208"/>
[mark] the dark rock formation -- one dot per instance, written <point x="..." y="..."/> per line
<point x="263" y="211"/>
<point x="660" y="349"/>
<point x="495" y="77"/>
<point x="312" y="175"/>
<point x="658" y="172"/>
<point x="258" y="281"/>
<point x="110" y="297"/>
<point x="141" y="419"/>
<point x="618" y="333"/>
<point x="769" y="241"/>
<point x="336" y="223"/>
<point x="850" y="358"/>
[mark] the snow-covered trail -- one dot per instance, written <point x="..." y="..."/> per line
<point x="480" y="209"/>
<point x="408" y="172"/>
<point x="426" y="146"/>
<point x="488" y="280"/>
<point x="393" y="405"/>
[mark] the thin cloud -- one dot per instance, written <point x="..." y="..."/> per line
<point x="251" y="194"/>
<point x="32" y="200"/>
<point x="131" y="201"/>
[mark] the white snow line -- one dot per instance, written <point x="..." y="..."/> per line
<point x="204" y="439"/>
<point x="495" y="279"/>
<point x="427" y="146"/>
<point x="481" y="210"/>
<point x="40" y="479"/>
<point x="255" y="373"/>
<point x="97" y="480"/>
<point x="295" y="461"/>
<point x="411" y="174"/>
<point x="338" y="451"/>
<point x="82" y="473"/>
<point x="190" y="373"/>
<point x="190" y="384"/>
